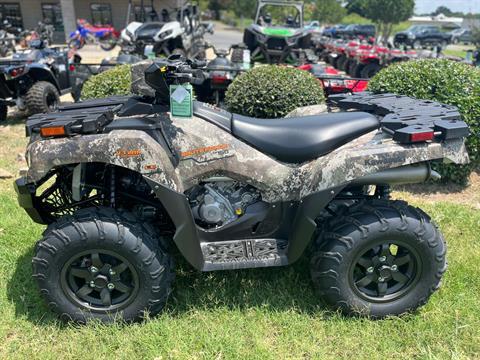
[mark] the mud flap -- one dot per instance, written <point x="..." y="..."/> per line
<point x="304" y="224"/>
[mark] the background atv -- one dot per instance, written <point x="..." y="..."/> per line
<point x="278" y="34"/>
<point x="35" y="78"/>
<point x="174" y="31"/>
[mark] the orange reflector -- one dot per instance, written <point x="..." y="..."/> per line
<point x="52" y="131"/>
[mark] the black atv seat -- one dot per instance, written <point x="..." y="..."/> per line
<point x="299" y="139"/>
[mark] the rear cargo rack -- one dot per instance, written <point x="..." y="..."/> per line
<point x="403" y="116"/>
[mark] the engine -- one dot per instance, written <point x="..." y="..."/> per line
<point x="216" y="204"/>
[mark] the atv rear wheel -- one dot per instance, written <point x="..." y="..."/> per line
<point x="341" y="61"/>
<point x="370" y="70"/>
<point x="102" y="264"/>
<point x="378" y="258"/>
<point x="42" y="97"/>
<point x="3" y="112"/>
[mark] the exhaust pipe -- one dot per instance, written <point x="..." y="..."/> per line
<point x="409" y="174"/>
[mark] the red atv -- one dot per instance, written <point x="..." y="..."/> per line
<point x="332" y="81"/>
<point x="369" y="61"/>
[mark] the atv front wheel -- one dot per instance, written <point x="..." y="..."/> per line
<point x="102" y="264"/>
<point x="378" y="258"/>
<point x="370" y="70"/>
<point x="42" y="97"/>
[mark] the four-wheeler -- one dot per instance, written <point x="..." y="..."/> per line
<point x="124" y="186"/>
<point x="35" y="78"/>
<point x="420" y="36"/>
<point x="278" y="35"/>
<point x="219" y="74"/>
<point x="174" y="32"/>
<point x="333" y="82"/>
<point x="105" y="36"/>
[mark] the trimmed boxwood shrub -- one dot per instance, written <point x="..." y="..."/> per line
<point x="115" y="81"/>
<point x="444" y="81"/>
<point x="273" y="91"/>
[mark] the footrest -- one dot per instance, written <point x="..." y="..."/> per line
<point x="240" y="254"/>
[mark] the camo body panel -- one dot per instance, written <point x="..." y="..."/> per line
<point x="205" y="150"/>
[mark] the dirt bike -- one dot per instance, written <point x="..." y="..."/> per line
<point x="106" y="36"/>
<point x="121" y="182"/>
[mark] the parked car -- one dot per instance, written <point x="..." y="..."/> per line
<point x="419" y="36"/>
<point x="333" y="31"/>
<point x="461" y="36"/>
<point x="357" y="30"/>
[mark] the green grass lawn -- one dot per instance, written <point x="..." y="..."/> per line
<point x="249" y="314"/>
<point x="255" y="314"/>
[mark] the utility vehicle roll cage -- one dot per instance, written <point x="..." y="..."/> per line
<point x="296" y="4"/>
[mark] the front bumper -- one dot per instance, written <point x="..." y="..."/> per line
<point x="26" y="199"/>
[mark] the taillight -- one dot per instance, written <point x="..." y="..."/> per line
<point x="422" y="136"/>
<point x="16" y="72"/>
<point x="413" y="134"/>
<point x="219" y="79"/>
<point x="52" y="131"/>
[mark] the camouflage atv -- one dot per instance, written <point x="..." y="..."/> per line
<point x="123" y="186"/>
<point x="281" y="37"/>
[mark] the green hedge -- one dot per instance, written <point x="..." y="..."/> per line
<point x="115" y="81"/>
<point x="444" y="81"/>
<point x="273" y="91"/>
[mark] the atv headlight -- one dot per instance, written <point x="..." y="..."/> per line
<point x="130" y="35"/>
<point x="165" y="34"/>
<point x="261" y="37"/>
<point x="293" y="40"/>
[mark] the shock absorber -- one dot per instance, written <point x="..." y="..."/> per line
<point x="383" y="192"/>
<point x="112" y="186"/>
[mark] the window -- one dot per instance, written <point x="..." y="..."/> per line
<point x="139" y="16"/>
<point x="101" y="14"/>
<point x="12" y="13"/>
<point x="52" y="14"/>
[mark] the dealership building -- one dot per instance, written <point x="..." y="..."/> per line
<point x="63" y="13"/>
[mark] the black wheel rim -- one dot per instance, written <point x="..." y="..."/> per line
<point x="385" y="272"/>
<point x="99" y="280"/>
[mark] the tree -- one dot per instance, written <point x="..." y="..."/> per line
<point x="244" y="8"/>
<point x="386" y="13"/>
<point x="442" y="10"/>
<point x="355" y="7"/>
<point x="476" y="36"/>
<point x="328" y="11"/>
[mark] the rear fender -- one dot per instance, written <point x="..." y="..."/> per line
<point x="40" y="72"/>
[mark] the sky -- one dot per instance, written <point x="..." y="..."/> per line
<point x="428" y="6"/>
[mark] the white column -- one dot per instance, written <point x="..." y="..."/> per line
<point x="68" y="16"/>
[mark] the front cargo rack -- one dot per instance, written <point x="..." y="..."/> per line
<point x="87" y="117"/>
<point x="403" y="116"/>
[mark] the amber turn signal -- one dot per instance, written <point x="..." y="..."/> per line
<point x="52" y="131"/>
